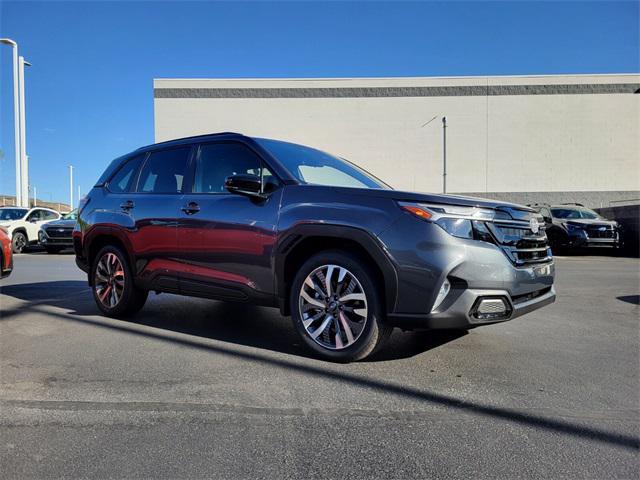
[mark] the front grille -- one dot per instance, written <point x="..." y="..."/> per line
<point x="59" y="232"/>
<point x="520" y="243"/>
<point x="598" y="232"/>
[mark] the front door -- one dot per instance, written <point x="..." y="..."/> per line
<point x="225" y="239"/>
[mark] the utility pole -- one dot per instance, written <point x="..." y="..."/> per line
<point x="444" y="154"/>
<point x="71" y="187"/>
<point x="16" y="118"/>
<point x="24" y="161"/>
<point x="35" y="196"/>
<point x="78" y="197"/>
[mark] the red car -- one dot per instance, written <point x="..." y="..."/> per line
<point x="6" y="256"/>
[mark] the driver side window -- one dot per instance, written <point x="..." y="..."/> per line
<point x="35" y="216"/>
<point x="217" y="161"/>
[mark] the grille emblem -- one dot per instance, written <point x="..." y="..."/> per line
<point x="61" y="230"/>
<point x="603" y="229"/>
<point x="534" y="225"/>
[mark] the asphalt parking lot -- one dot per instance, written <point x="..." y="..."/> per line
<point x="197" y="388"/>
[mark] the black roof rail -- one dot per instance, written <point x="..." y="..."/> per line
<point x="193" y="137"/>
<point x="573" y="203"/>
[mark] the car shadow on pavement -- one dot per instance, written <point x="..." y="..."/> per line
<point x="633" y="299"/>
<point x="242" y="324"/>
<point x="75" y="296"/>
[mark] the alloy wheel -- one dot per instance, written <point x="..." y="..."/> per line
<point x="109" y="280"/>
<point x="19" y="243"/>
<point x="333" y="307"/>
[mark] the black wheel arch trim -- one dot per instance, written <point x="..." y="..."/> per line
<point x="297" y="234"/>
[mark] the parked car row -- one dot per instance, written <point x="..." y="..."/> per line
<point x="573" y="227"/>
<point x="37" y="226"/>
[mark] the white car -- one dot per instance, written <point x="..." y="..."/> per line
<point x="23" y="224"/>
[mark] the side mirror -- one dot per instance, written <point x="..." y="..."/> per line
<point x="244" y="184"/>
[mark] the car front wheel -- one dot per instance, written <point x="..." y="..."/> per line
<point x="336" y="308"/>
<point x="18" y="242"/>
<point x="113" y="287"/>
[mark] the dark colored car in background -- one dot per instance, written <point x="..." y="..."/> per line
<point x="230" y="217"/>
<point x="57" y="235"/>
<point x="6" y="253"/>
<point x="571" y="226"/>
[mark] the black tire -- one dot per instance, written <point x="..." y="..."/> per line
<point x="131" y="298"/>
<point x="19" y="242"/>
<point x="368" y="339"/>
<point x="53" y="250"/>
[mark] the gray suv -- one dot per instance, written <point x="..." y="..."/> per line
<point x="261" y="221"/>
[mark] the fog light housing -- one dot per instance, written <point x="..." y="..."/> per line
<point x="491" y="308"/>
<point x="445" y="288"/>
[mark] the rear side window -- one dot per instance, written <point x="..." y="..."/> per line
<point x="217" y="161"/>
<point x="164" y="171"/>
<point x="49" y="215"/>
<point x="123" y="180"/>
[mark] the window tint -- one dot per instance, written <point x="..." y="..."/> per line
<point x="49" y="215"/>
<point x="122" y="181"/>
<point x="217" y="161"/>
<point x="35" y="216"/>
<point x="163" y="172"/>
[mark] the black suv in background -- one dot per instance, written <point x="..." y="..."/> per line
<point x="235" y="218"/>
<point x="571" y="226"/>
<point x="55" y="236"/>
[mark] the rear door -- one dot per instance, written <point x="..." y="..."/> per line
<point x="152" y="208"/>
<point x="225" y="240"/>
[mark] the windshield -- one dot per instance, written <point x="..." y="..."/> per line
<point x="315" y="167"/>
<point x="72" y="215"/>
<point x="574" y="212"/>
<point x="12" y="213"/>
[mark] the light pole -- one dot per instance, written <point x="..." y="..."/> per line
<point x="16" y="118"/>
<point x="444" y="154"/>
<point x="71" y="187"/>
<point x="444" y="150"/>
<point x="24" y="161"/>
<point x="78" y="197"/>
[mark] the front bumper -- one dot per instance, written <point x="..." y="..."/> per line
<point x="458" y="314"/>
<point x="45" y="240"/>
<point x="427" y="257"/>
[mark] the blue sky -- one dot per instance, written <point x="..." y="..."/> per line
<point x="89" y="92"/>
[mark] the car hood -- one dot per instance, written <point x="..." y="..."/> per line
<point x="459" y="200"/>
<point x="60" y="223"/>
<point x="586" y="222"/>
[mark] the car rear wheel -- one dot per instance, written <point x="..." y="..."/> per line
<point x="18" y="242"/>
<point x="113" y="287"/>
<point x="336" y="307"/>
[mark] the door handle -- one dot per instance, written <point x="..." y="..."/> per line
<point x="128" y="205"/>
<point x="191" y="208"/>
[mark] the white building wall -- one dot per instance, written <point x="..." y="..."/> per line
<point x="575" y="142"/>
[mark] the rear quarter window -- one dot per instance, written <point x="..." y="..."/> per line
<point x="123" y="180"/>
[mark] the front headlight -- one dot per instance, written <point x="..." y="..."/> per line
<point x="42" y="236"/>
<point x="461" y="222"/>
